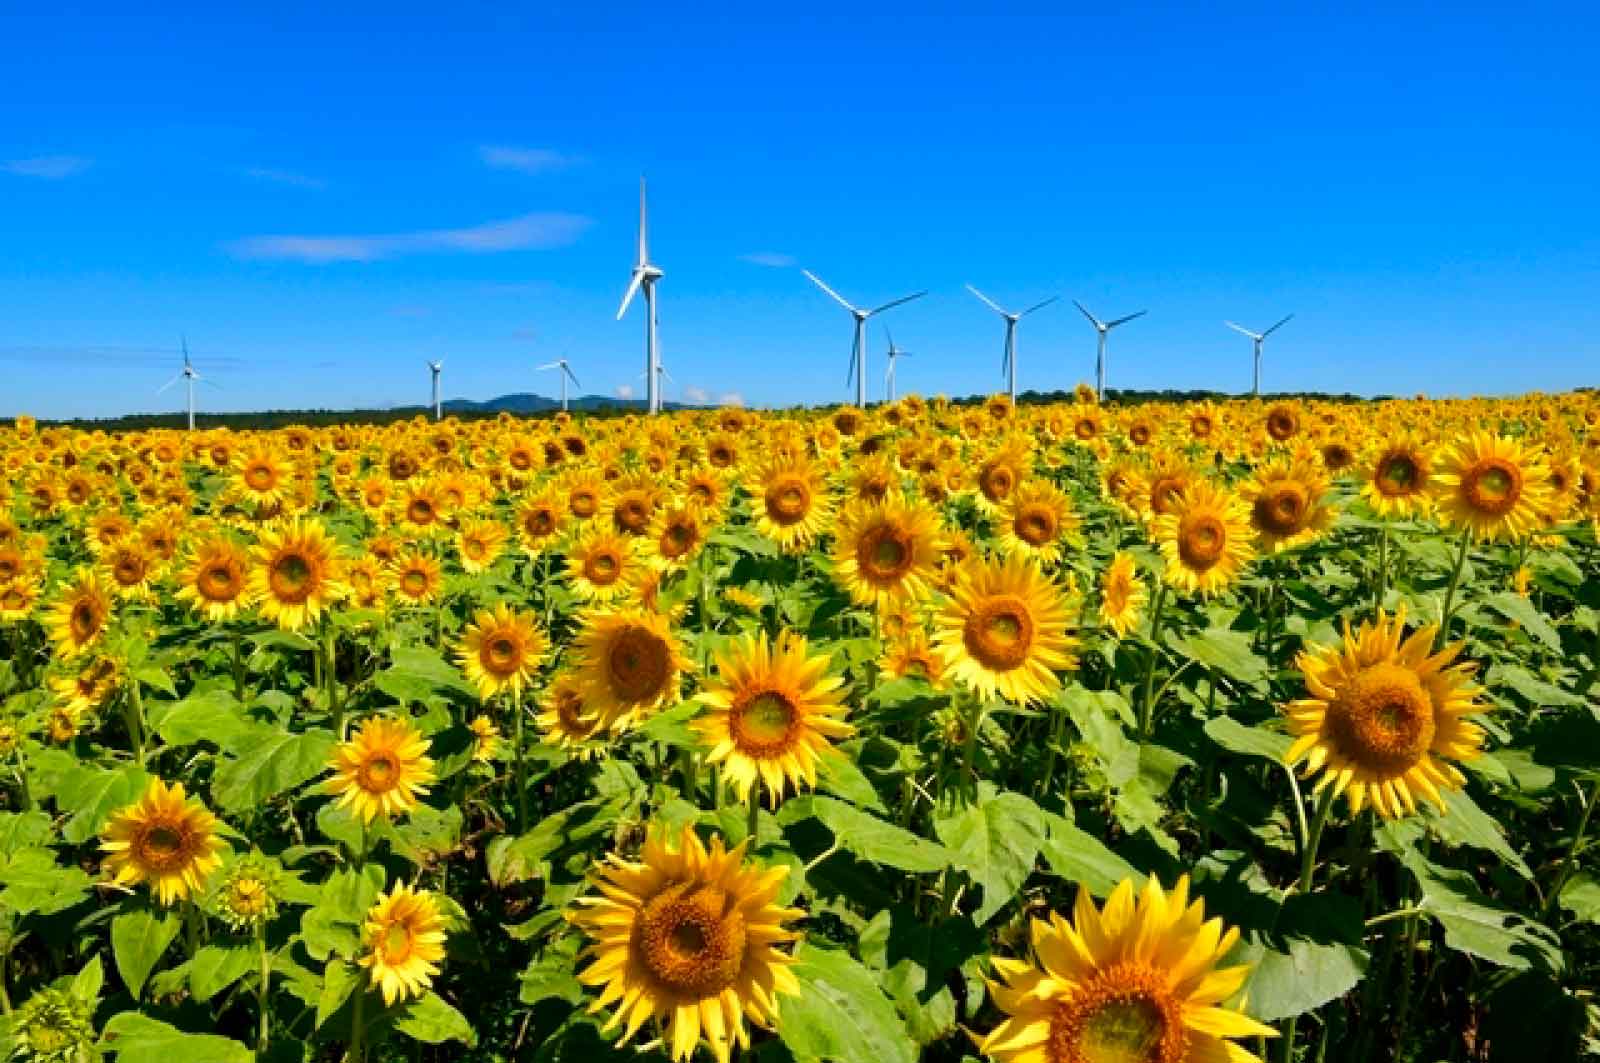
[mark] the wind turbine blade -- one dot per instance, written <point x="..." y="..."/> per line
<point x="633" y="288"/>
<point x="184" y="342"/>
<point x="548" y="365"/>
<point x="1040" y="306"/>
<point x="209" y="383"/>
<point x="572" y="377"/>
<point x="1241" y="328"/>
<point x="897" y="302"/>
<point x="1092" y="319"/>
<point x="1122" y="320"/>
<point x="1276" y="327"/>
<point x="169" y="383"/>
<point x="667" y="374"/>
<point x="836" y="296"/>
<point x="886" y="332"/>
<point x="644" y="241"/>
<point x="990" y="303"/>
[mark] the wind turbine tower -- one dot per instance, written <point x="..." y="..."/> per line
<point x="1008" y="361"/>
<point x="858" y="347"/>
<point x="436" y="367"/>
<point x="895" y="353"/>
<point x="645" y="275"/>
<point x="188" y="376"/>
<point x="1104" y="329"/>
<point x="1257" y="339"/>
<point x="566" y="375"/>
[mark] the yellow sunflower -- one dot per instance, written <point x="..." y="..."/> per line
<point x="216" y="580"/>
<point x="81" y="614"/>
<point x="998" y="473"/>
<point x="1493" y="486"/>
<point x="500" y="650"/>
<point x="1035" y="520"/>
<point x="687" y="936"/>
<point x="417" y="577"/>
<point x="676" y="534"/>
<point x="18" y="596"/>
<point x="1397" y="480"/>
<point x="166" y="839"/>
<point x="540" y="520"/>
<point x="1122" y="595"/>
<point x="1205" y="539"/>
<point x="261" y="476"/>
<point x="910" y="655"/>
<point x="478" y="543"/>
<point x="886" y="551"/>
<point x="382" y="770"/>
<point x="403" y="943"/>
<point x="1288" y="504"/>
<point x="602" y="563"/>
<point x="297" y="573"/>
<point x="791" y="502"/>
<point x="1383" y="713"/>
<point x="1003" y="631"/>
<point x="1134" y="982"/>
<point x="88" y="686"/>
<point x="770" y="713"/>
<point x="565" y="722"/>
<point x="630" y="663"/>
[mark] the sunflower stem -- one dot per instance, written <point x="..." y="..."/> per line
<point x="753" y="825"/>
<point x="1308" y="870"/>
<point x="135" y="709"/>
<point x="521" y="761"/>
<point x="1574" y="849"/>
<point x="22" y="780"/>
<point x="1450" y="592"/>
<point x="330" y="677"/>
<point x="264" y="1033"/>
<point x="238" y="665"/>
<point x="354" y="1053"/>
<point x="1147" y="703"/>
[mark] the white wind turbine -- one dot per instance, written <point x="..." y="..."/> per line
<point x="645" y="275"/>
<point x="436" y="367"/>
<point x="1256" y="340"/>
<point x="189" y="376"/>
<point x="858" y="348"/>
<point x="1008" y="362"/>
<point x="895" y="353"/>
<point x="566" y="374"/>
<point x="1104" y="329"/>
<point x="662" y="377"/>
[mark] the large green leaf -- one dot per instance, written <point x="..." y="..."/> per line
<point x="139" y="937"/>
<point x="217" y="966"/>
<point x="872" y="839"/>
<point x="841" y="1014"/>
<point x="19" y="830"/>
<point x="91" y="794"/>
<point x="210" y="716"/>
<point x="1514" y="606"/>
<point x="34" y="883"/>
<point x="1466" y="824"/>
<point x="1078" y="856"/>
<point x="1476" y="925"/>
<point x="995" y="841"/>
<point x="267" y="763"/>
<point x="1226" y="651"/>
<point x="1235" y="737"/>
<point x="431" y="1020"/>
<point x="1581" y="897"/>
<point x="916" y="956"/>
<point x="137" y="1038"/>
<point x="1301" y="976"/>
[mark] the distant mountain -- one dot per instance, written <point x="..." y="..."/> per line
<point x="527" y="402"/>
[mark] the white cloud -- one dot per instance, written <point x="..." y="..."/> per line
<point x="525" y="160"/>
<point x="624" y="391"/>
<point x="694" y="394"/>
<point x="774" y="259"/>
<point x="284" y="177"/>
<point x="536" y="231"/>
<point x="50" y="167"/>
<point x="730" y="398"/>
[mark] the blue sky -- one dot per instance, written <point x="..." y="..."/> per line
<point x="323" y="200"/>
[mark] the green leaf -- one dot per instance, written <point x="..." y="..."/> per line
<point x="1302" y="978"/>
<point x="1226" y="651"/>
<point x="20" y="830"/>
<point x="139" y="937"/>
<point x="1100" y="719"/>
<point x="1581" y="897"/>
<point x="332" y="925"/>
<point x="916" y="958"/>
<point x="339" y="979"/>
<point x="87" y="983"/>
<point x="270" y="762"/>
<point x="839" y="775"/>
<point x="1078" y="856"/>
<point x="431" y="1020"/>
<point x="1467" y="824"/>
<point x="1538" y="693"/>
<point x="36" y="885"/>
<point x="996" y="842"/>
<point x="841" y="1015"/>
<point x="426" y="834"/>
<point x="1235" y="737"/>
<point x="137" y="1038"/>
<point x="551" y="975"/>
<point x="211" y="716"/>
<point x="216" y="967"/>
<point x="1476" y="925"/>
<point x="872" y="839"/>
<point x="92" y="794"/>
<point x="1514" y="606"/>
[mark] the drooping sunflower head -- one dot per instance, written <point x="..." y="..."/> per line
<point x="1397" y="479"/>
<point x="1205" y="540"/>
<point x="792" y="506"/>
<point x="1137" y="981"/>
<point x="771" y="711"/>
<point x="602" y="563"/>
<point x="630" y="665"/>
<point x="1123" y="595"/>
<point x="911" y="655"/>
<point x="382" y="770"/>
<point x="297" y="574"/>
<point x="688" y="936"/>
<point x="1493" y="486"/>
<point x="500" y="650"/>
<point x="402" y="942"/>
<point x="82" y="613"/>
<point x="1003" y="632"/>
<point x="89" y="683"/>
<point x="886" y="551"/>
<point x="1036" y="520"/>
<point x="165" y="838"/>
<point x="1384" y="717"/>
<point x="1288" y="504"/>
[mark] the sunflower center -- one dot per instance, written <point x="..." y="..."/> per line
<point x="397" y="943"/>
<point x="1085" y="429"/>
<point x="631" y="515"/>
<point x="1282" y="424"/>
<point x="574" y="721"/>
<point x="638" y="664"/>
<point x="129" y="571"/>
<point x="1201" y="540"/>
<point x="692" y="939"/>
<point x="1164" y="494"/>
<point x="1281" y="509"/>
<point x="602" y="567"/>
<point x="379" y="772"/>
<point x="1492" y="486"/>
<point x="676" y="540"/>
<point x="763" y="724"/>
<point x="884" y="554"/>
<point x="420" y="511"/>
<point x="540" y="523"/>
<point x="162" y="846"/>
<point x="474" y="549"/>
<point x="85" y="620"/>
<point x="1383" y="719"/>
<point x="1398" y="475"/>
<point x="999" y="633"/>
<point x="291" y="578"/>
<point x="996" y="482"/>
<point x="259" y="476"/>
<point x="414" y="583"/>
<point x="501" y="654"/>
<point x="1125" y="1014"/>
<point x="1035" y="525"/>
<point x="788" y="501"/>
<point x="1139" y="435"/>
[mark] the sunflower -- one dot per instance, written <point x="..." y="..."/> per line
<point x="1122" y="595"/>
<point x="791" y="502"/>
<point x="165" y="838"/>
<point x="707" y="487"/>
<point x="417" y="577"/>
<point x="676" y="534"/>
<point x="1035" y="520"/>
<point x="89" y="686"/>
<point x="1282" y="422"/>
<point x="1383" y="713"/>
<point x="602" y="563"/>
<point x="402" y="942"/>
<point x="998" y="473"/>
<point x="479" y="542"/>
<point x="261" y="476"/>
<point x="1003" y="631"/>
<point x="585" y="493"/>
<point x="216" y="579"/>
<point x="18" y="596"/>
<point x="565" y="722"/>
<point x="500" y="650"/>
<point x="485" y="739"/>
<point x="382" y="770"/>
<point x="886" y="551"/>
<point x="297" y="573"/>
<point x="1134" y="982"/>
<point x="1492" y="486"/>
<point x="80" y="616"/>
<point x="630" y="665"/>
<point x="686" y="935"/>
<point x="540" y="521"/>
<point x="771" y="711"/>
<point x="910" y="655"/>
<point x="368" y="581"/>
<point x="632" y="503"/>
<point x="1397" y="481"/>
<point x="1288" y="504"/>
<point x="1205" y="539"/>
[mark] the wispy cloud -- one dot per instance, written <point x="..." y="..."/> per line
<point x="50" y="167"/>
<point x="772" y="259"/>
<point x="624" y="391"/>
<point x="526" y="160"/>
<point x="530" y="231"/>
<point x="694" y="394"/>
<point x="284" y="177"/>
<point x="731" y="398"/>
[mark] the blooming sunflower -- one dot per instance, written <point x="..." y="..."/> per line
<point x="1003" y="630"/>
<point x="89" y="686"/>
<point x="17" y="598"/>
<point x="417" y="577"/>
<point x="565" y="721"/>
<point x="479" y="542"/>
<point x="687" y="935"/>
<point x="886" y="551"/>
<point x="403" y="942"/>
<point x="1493" y="486"/>
<point x="1134" y="982"/>
<point x="382" y="770"/>
<point x="166" y="839"/>
<point x="540" y="521"/>
<point x="791" y="502"/>
<point x="500" y="650"/>
<point x="297" y="573"/>
<point x="216" y="579"/>
<point x="1122" y="595"/>
<point x="261" y="476"/>
<point x="998" y="473"/>
<point x="1383" y="713"/>
<point x="630" y="663"/>
<point x="1397" y="480"/>
<point x="676" y="534"/>
<point x="1288" y="504"/>
<point x="1205" y="539"/>
<point x="770" y="713"/>
<point x="602" y="563"/>
<point x="911" y="655"/>
<point x="80" y="615"/>
<point x="1035" y="520"/>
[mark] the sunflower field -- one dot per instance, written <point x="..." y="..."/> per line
<point x="1070" y="733"/>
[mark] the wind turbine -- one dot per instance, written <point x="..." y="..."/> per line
<point x="645" y="275"/>
<point x="1104" y="329"/>
<point x="1256" y="340"/>
<point x="1008" y="363"/>
<point x="661" y="375"/>
<point x="566" y="374"/>
<point x="189" y="376"/>
<point x="894" y="353"/>
<point x="436" y="367"/>
<point x="858" y="349"/>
